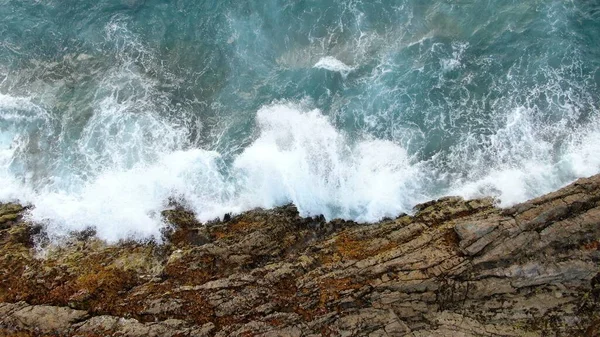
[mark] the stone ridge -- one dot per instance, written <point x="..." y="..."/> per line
<point x="455" y="268"/>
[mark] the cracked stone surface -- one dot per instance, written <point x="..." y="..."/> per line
<point x="454" y="268"/>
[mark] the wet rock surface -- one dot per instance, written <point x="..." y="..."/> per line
<point x="455" y="268"/>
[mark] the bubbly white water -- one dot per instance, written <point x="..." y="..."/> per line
<point x="299" y="157"/>
<point x="332" y="64"/>
<point x="104" y="133"/>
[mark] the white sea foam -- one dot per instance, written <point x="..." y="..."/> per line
<point x="454" y="62"/>
<point x="519" y="165"/>
<point x="127" y="204"/>
<point x="332" y="64"/>
<point x="16" y="115"/>
<point x="299" y="157"/>
<point x="583" y="153"/>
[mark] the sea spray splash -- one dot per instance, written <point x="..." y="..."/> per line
<point x="298" y="157"/>
<point x="348" y="109"/>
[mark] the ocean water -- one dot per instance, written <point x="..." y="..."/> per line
<point x="350" y="109"/>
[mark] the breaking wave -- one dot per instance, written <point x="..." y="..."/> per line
<point x="359" y="115"/>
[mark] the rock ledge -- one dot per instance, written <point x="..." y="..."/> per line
<point x="455" y="268"/>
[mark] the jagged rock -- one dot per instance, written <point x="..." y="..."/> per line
<point x="44" y="318"/>
<point x="456" y="268"/>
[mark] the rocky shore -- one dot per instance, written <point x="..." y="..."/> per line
<point x="455" y="268"/>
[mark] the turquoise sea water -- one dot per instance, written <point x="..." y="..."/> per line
<point x="352" y="109"/>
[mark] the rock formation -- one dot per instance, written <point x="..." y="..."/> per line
<point x="454" y="268"/>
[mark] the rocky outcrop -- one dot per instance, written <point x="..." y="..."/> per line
<point x="454" y="268"/>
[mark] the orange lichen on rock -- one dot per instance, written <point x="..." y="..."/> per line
<point x="101" y="289"/>
<point x="347" y="247"/>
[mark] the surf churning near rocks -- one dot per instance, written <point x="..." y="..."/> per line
<point x="353" y="110"/>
